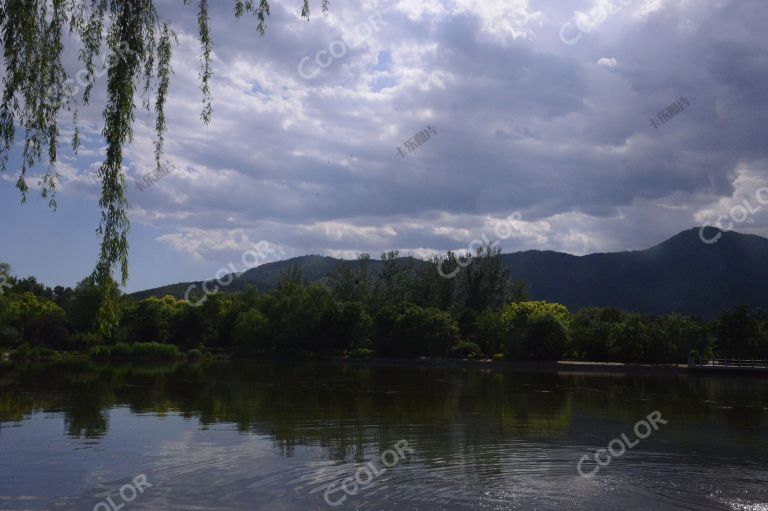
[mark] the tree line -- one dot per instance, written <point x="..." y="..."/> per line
<point x="400" y="310"/>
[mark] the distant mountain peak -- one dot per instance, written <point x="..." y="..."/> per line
<point x="697" y="271"/>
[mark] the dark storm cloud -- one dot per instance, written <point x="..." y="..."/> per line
<point x="525" y="123"/>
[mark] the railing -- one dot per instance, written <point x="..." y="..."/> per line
<point x="734" y="362"/>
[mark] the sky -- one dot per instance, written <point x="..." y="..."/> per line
<point x="578" y="126"/>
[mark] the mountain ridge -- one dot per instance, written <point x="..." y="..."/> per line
<point x="681" y="274"/>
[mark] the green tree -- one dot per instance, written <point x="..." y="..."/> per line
<point x="518" y="312"/>
<point x="252" y="331"/>
<point x="150" y="320"/>
<point x="537" y="330"/>
<point x="738" y="334"/>
<point x="300" y="318"/>
<point x="407" y="330"/>
<point x="485" y="283"/>
<point x="38" y="320"/>
<point x="31" y="285"/>
<point x="434" y="283"/>
<point x="350" y="281"/>
<point x="83" y="308"/>
<point x="489" y="331"/>
<point x="627" y="340"/>
<point x="395" y="282"/>
<point x="351" y="326"/>
<point x="590" y="330"/>
<point x="684" y="335"/>
<point x="546" y="337"/>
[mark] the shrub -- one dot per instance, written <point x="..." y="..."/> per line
<point x="360" y="353"/>
<point x="466" y="349"/>
<point x="84" y="342"/>
<point x="9" y="336"/>
<point x="100" y="352"/>
<point x="195" y="354"/>
<point x="22" y="352"/>
<point x="121" y="350"/>
<point x="154" y="350"/>
<point x="25" y="351"/>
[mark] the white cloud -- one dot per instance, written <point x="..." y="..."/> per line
<point x="607" y="62"/>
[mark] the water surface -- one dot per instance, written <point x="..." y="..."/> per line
<point x="274" y="435"/>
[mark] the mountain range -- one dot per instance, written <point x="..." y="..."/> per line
<point x="683" y="274"/>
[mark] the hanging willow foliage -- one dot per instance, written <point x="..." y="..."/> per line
<point x="37" y="90"/>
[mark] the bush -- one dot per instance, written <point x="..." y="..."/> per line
<point x="195" y="354"/>
<point x="466" y="349"/>
<point x="121" y="350"/>
<point x="361" y="353"/>
<point x="84" y="342"/>
<point x="9" y="336"/>
<point x="499" y="357"/>
<point x="696" y="356"/>
<point x="100" y="352"/>
<point x="25" y="351"/>
<point x="154" y="350"/>
<point x="22" y="352"/>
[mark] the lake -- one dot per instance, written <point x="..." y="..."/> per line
<point x="319" y="436"/>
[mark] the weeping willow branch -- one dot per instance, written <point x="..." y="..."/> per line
<point x="37" y="90"/>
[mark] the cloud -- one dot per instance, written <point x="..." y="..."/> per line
<point x="607" y="62"/>
<point x="746" y="208"/>
<point x="525" y="123"/>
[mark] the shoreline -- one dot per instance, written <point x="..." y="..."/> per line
<point x="560" y="366"/>
<point x="566" y="366"/>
